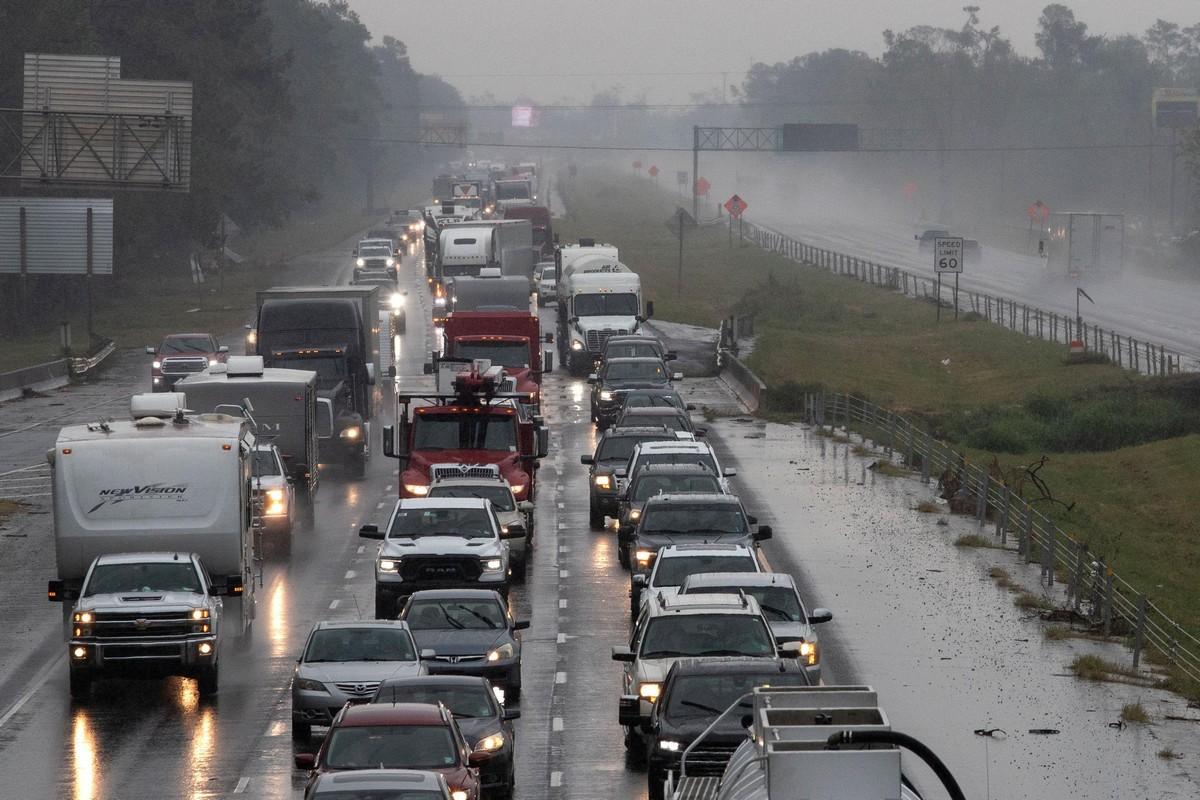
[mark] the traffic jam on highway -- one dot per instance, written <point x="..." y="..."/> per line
<point x="426" y="379"/>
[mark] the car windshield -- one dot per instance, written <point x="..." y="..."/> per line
<point x="451" y="614"/>
<point x="650" y="485"/>
<point x="693" y="457"/>
<point x="672" y="571"/>
<point x="606" y="305"/>
<point x="472" y="701"/>
<point x="649" y="371"/>
<point x="185" y="344"/>
<point x="374" y="252"/>
<point x="330" y="371"/>
<point x="620" y="448"/>
<point x="636" y="399"/>
<point x="465" y="432"/>
<point x="549" y="273"/>
<point x="518" y="190"/>
<point x="681" y="636"/>
<point x="413" y="523"/>
<point x="632" y="350"/>
<point x="390" y="747"/>
<point x="500" y="495"/>
<point x="694" y="519"/>
<point x="265" y="464"/>
<point x="506" y="354"/>
<point x="119" y="578"/>
<point x="710" y="695"/>
<point x="377" y="794"/>
<point x="673" y="422"/>
<point x="371" y="643"/>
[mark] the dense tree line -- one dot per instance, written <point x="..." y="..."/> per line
<point x="286" y="91"/>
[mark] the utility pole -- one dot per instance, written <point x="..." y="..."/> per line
<point x="679" y="272"/>
<point x="695" y="176"/>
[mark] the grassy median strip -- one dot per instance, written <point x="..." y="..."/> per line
<point x="1005" y="398"/>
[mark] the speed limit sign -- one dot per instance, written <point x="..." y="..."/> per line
<point x="948" y="254"/>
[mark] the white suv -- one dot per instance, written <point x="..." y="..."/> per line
<point x="516" y="518"/>
<point x="443" y="543"/>
<point x="686" y="626"/>
<point x="679" y="452"/>
<point x="676" y="562"/>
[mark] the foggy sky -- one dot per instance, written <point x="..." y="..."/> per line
<point x="555" y="39"/>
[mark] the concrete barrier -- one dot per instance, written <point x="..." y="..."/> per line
<point x="38" y="378"/>
<point x="748" y="386"/>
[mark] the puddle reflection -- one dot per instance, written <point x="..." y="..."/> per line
<point x="83" y="758"/>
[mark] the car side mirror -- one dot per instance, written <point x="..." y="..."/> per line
<point x="304" y="760"/>
<point x="370" y="532"/>
<point x="763" y="533"/>
<point x="819" y="616"/>
<point x="676" y="376"/>
<point x="623" y="654"/>
<point x="729" y="472"/>
<point x="521" y="625"/>
<point x="233" y="586"/>
<point x="753" y="520"/>
<point x="543" y="442"/>
<point x="650" y="308"/>
<point x="509" y="714"/>
<point x="639" y="580"/>
<point x="526" y="506"/>
<point x="370" y="374"/>
<point x="223" y="348"/>
<point x="150" y="351"/>
<point x="587" y="460"/>
<point x="389" y="441"/>
<point x="690" y="407"/>
<point x="428" y="654"/>
<point x="478" y="758"/>
<point x="700" y="432"/>
<point x="620" y="472"/>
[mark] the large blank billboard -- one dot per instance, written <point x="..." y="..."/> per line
<point x="55" y="235"/>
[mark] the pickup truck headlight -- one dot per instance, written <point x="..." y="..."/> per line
<point x="670" y="745"/>
<point x="603" y="481"/>
<point x="810" y="653"/>
<point x="350" y="434"/>
<point x="360" y="262"/>
<point x="422" y="489"/>
<point x="518" y="489"/>
<point x="649" y="691"/>
<point x="606" y="396"/>
<point x="391" y="262"/>
<point x="576" y="345"/>
<point x="276" y="503"/>
<point x="199" y="613"/>
<point x="458" y="794"/>
<point x="389" y="565"/>
<point x="644" y="556"/>
<point x="156" y="364"/>
<point x="493" y="565"/>
<point x="635" y="513"/>
<point x="491" y="743"/>
<point x="309" y="685"/>
<point x="84" y="617"/>
<point x="439" y="301"/>
<point x="502" y="652"/>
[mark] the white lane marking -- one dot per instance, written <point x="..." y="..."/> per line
<point x="555" y="780"/>
<point x="387" y="488"/>
<point x="334" y="604"/>
<point x="562" y="638"/>
<point x="380" y="505"/>
<point x="361" y="547"/>
<point x="560" y="487"/>
<point x="562" y="526"/>
<point x="562" y="573"/>
<point x="241" y="785"/>
<point x="350" y="574"/>
<point x="562" y="505"/>
<point x="556" y="724"/>
<point x="560" y="677"/>
<point x="33" y="688"/>
<point x="562" y="548"/>
<point x="562" y="603"/>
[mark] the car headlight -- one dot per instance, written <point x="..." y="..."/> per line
<point x="389" y="565"/>
<point x="156" y="364"/>
<point x="439" y="301"/>
<point x="391" y="262"/>
<point x="458" y="794"/>
<point x="491" y="743"/>
<point x="422" y="489"/>
<point x="670" y="745"/>
<point x="635" y="513"/>
<point x="84" y="617"/>
<point x="810" y="653"/>
<point x="309" y="685"/>
<point x="396" y="301"/>
<point x="606" y="395"/>
<point x="361" y="262"/>
<point x="649" y="691"/>
<point x="518" y="489"/>
<point x="199" y="613"/>
<point x="603" y="481"/>
<point x="576" y="345"/>
<point x="350" y="434"/>
<point x="493" y="565"/>
<point x="502" y="652"/>
<point x="644" y="556"/>
<point x="252" y="337"/>
<point x="276" y="502"/>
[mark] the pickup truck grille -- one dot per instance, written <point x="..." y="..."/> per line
<point x="436" y="569"/>
<point x="596" y="339"/>
<point x="709" y="759"/>
<point x="184" y="365"/>
<point x="374" y="263"/>
<point x="444" y="471"/>
<point x="141" y="625"/>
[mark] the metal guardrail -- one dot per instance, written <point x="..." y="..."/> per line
<point x="1094" y="591"/>
<point x="81" y="366"/>
<point x="1123" y="350"/>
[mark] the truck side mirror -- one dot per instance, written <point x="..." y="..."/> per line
<point x="548" y="338"/>
<point x="389" y="441"/>
<point x="819" y="616"/>
<point x="543" y="442"/>
<point x="304" y="760"/>
<point x="233" y="586"/>
<point x="223" y="348"/>
<point x="763" y="533"/>
<point x="370" y="532"/>
<point x="150" y="351"/>
<point x="587" y="460"/>
<point x="671" y="355"/>
<point x="649" y="309"/>
<point x="55" y="592"/>
<point x="623" y="654"/>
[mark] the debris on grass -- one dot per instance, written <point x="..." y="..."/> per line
<point x="1034" y="601"/>
<point x="8" y="508"/>
<point x="1134" y="712"/>
<point x="1167" y="754"/>
<point x="1001" y="576"/>
<point x="889" y="469"/>
<point x="973" y="540"/>
<point x="927" y="507"/>
<point x="1092" y="667"/>
<point x="1056" y="633"/>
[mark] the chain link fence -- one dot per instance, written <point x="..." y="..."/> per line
<point x="1095" y="594"/>
<point x="1123" y="350"/>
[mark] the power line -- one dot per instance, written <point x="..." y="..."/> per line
<point x="589" y="74"/>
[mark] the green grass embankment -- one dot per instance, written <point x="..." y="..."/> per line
<point x="1124" y="449"/>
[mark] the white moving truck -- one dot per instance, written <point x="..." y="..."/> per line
<point x="135" y="503"/>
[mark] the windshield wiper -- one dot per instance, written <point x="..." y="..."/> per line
<point x="784" y="615"/>
<point x="701" y="706"/>
<point x="453" y="622"/>
<point x="661" y="654"/>
<point x="491" y="625"/>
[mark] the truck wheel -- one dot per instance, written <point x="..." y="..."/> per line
<point x="595" y="518"/>
<point x="635" y="745"/>
<point x="385" y="605"/>
<point x="356" y="465"/>
<point x="301" y="731"/>
<point x="623" y="555"/>
<point x="81" y="685"/>
<point x="655" y="778"/>
<point x="207" y="681"/>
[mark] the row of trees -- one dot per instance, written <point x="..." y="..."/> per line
<point x="286" y="92"/>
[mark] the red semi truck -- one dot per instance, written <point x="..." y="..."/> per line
<point x="506" y="338"/>
<point x="475" y="424"/>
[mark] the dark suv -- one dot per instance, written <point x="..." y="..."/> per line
<point x="183" y="354"/>
<point x="613" y="451"/>
<point x="633" y="346"/>
<point x="697" y="691"/>
<point x="653" y="480"/>
<point x="691" y="519"/>
<point x="619" y="375"/>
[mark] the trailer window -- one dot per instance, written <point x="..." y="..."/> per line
<point x="606" y="305"/>
<point x="464" y="432"/>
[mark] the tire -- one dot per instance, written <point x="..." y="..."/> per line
<point x="636" y="746"/>
<point x="385" y="605"/>
<point x="635" y="604"/>
<point x="522" y="570"/>
<point x="81" y="685"/>
<point x="208" y="680"/>
<point x="655" y="777"/>
<point x="623" y="555"/>
<point x="301" y="731"/>
<point x="595" y="518"/>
